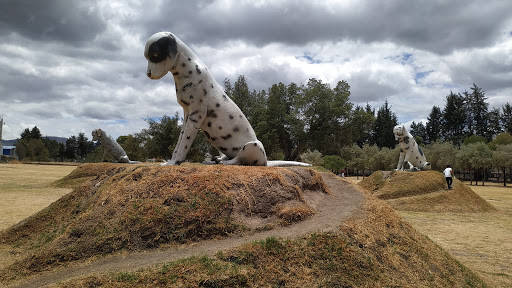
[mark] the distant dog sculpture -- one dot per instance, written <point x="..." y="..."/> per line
<point x="410" y="152"/>
<point x="111" y="147"/>
<point x="205" y="106"/>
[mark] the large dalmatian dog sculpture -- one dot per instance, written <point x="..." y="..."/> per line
<point x="111" y="147"/>
<point x="206" y="106"/>
<point x="410" y="152"/>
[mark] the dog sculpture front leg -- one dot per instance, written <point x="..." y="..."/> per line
<point x="187" y="135"/>
<point x="400" y="160"/>
<point x="192" y="122"/>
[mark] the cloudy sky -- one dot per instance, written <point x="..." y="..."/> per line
<point x="73" y="66"/>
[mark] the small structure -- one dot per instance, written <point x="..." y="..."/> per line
<point x="9" y="152"/>
<point x="410" y="152"/>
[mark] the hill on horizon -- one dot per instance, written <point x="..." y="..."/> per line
<point x="13" y="142"/>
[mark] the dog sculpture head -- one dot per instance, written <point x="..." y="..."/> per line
<point x="161" y="50"/>
<point x="96" y="134"/>
<point x="399" y="131"/>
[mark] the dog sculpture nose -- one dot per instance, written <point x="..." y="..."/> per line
<point x="148" y="74"/>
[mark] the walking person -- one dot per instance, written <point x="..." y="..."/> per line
<point x="448" y="174"/>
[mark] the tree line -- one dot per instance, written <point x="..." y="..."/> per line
<point x="308" y="121"/>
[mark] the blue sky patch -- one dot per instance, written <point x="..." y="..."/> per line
<point x="311" y="58"/>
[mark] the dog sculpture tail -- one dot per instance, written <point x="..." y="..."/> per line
<point x="286" y="164"/>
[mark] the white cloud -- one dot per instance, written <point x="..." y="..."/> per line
<point x="90" y="73"/>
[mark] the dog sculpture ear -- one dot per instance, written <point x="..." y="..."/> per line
<point x="98" y="132"/>
<point x="162" y="48"/>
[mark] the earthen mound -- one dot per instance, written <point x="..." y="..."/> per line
<point x="423" y="191"/>
<point x="118" y="207"/>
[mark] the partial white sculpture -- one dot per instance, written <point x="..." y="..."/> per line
<point x="410" y="152"/>
<point x="111" y="147"/>
<point x="205" y="106"/>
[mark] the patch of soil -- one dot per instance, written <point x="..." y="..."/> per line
<point x="423" y="191"/>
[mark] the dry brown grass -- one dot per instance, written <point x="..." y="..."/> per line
<point x="26" y="189"/>
<point x="124" y="207"/>
<point x="131" y="207"/>
<point x="479" y="240"/>
<point x="375" y="249"/>
<point x="424" y="192"/>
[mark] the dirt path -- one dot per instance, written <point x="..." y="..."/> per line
<point x="331" y="211"/>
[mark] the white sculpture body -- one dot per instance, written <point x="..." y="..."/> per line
<point x="111" y="147"/>
<point x="410" y="152"/>
<point x="206" y="106"/>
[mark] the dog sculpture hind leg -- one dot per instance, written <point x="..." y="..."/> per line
<point x="206" y="106"/>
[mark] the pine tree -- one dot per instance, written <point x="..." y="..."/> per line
<point x="419" y="132"/>
<point x="433" y="127"/>
<point x="454" y="125"/>
<point x="478" y="111"/>
<point x="506" y="117"/>
<point x="385" y="121"/>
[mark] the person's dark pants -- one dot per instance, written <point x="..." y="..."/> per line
<point x="449" y="181"/>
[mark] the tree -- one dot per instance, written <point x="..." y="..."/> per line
<point x="433" y="127"/>
<point x="282" y="122"/>
<point x="133" y="147"/>
<point x="35" y="133"/>
<point x="25" y="134"/>
<point x="506" y="117"/>
<point x="361" y="124"/>
<point x="312" y="157"/>
<point x="476" y="156"/>
<point x="83" y="146"/>
<point x="54" y="149"/>
<point x="502" y="139"/>
<point x="334" y="163"/>
<point x="325" y="112"/>
<point x="355" y="158"/>
<point x="494" y="126"/>
<point x="440" y="154"/>
<point x="249" y="103"/>
<point x="474" y="139"/>
<point x="502" y="158"/>
<point x="385" y="121"/>
<point x="71" y="147"/>
<point x="419" y="132"/>
<point x="160" y="137"/>
<point x="462" y="161"/>
<point x="30" y="146"/>
<point x="477" y="111"/>
<point x="37" y="150"/>
<point x="454" y="119"/>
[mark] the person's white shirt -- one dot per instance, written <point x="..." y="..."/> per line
<point x="447" y="172"/>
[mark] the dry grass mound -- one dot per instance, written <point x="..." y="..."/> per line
<point x="128" y="207"/>
<point x="375" y="249"/>
<point x="424" y="191"/>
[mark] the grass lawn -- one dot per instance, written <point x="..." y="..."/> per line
<point x="26" y="189"/>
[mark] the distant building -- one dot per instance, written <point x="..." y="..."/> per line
<point x="9" y="151"/>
